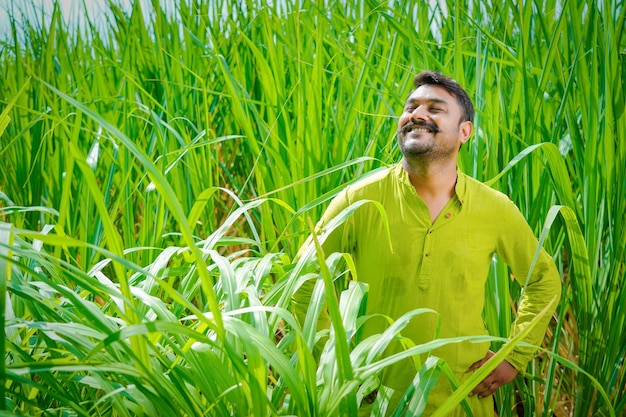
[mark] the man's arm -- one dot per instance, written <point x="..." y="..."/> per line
<point x="335" y="242"/>
<point x="517" y="248"/>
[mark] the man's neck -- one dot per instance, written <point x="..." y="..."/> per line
<point x="432" y="180"/>
<point x="434" y="183"/>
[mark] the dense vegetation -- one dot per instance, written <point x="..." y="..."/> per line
<point x="161" y="169"/>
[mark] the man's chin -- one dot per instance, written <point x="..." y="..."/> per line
<point x="414" y="151"/>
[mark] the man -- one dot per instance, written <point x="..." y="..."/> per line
<point x="445" y="227"/>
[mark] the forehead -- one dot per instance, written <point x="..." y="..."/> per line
<point x="432" y="93"/>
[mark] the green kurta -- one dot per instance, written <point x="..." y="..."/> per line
<point x="442" y="265"/>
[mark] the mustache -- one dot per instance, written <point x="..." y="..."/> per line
<point x="414" y="125"/>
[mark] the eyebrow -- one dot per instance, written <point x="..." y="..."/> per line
<point x="433" y="100"/>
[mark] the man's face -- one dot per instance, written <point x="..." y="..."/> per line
<point x="430" y="124"/>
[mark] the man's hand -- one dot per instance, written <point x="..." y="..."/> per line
<point x="503" y="374"/>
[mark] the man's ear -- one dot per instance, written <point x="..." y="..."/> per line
<point x="465" y="131"/>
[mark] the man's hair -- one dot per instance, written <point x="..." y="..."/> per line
<point x="452" y="87"/>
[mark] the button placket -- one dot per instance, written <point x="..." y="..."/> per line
<point x="424" y="277"/>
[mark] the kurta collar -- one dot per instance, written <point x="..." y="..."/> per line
<point x="461" y="181"/>
<point x="461" y="185"/>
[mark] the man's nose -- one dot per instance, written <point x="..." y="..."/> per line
<point x="419" y="113"/>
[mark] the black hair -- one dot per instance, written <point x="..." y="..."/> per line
<point x="452" y="87"/>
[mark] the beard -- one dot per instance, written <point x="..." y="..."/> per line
<point x="414" y="149"/>
<point x="434" y="146"/>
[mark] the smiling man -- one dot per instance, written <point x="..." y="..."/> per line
<point x="445" y="228"/>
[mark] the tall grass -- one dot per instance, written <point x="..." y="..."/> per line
<point x="158" y="174"/>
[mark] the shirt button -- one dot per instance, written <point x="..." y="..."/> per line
<point x="448" y="215"/>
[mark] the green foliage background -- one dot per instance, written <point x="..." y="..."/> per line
<point x="158" y="173"/>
